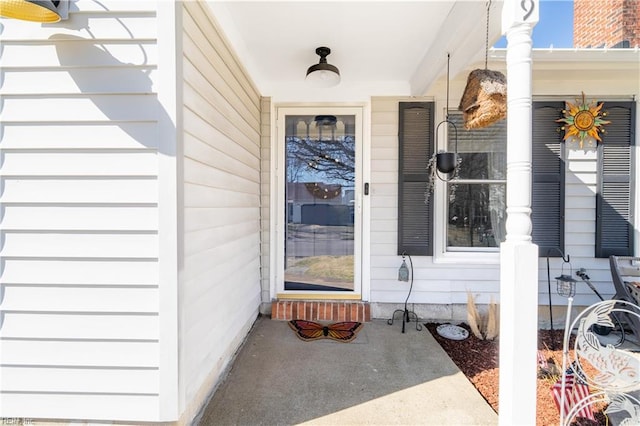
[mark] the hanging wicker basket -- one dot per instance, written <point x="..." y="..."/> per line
<point x="484" y="100"/>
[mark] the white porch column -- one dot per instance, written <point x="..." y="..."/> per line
<point x="518" y="255"/>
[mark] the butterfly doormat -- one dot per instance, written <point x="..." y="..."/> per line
<point x="340" y="331"/>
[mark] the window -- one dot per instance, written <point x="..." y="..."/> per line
<point x="477" y="198"/>
<point x="615" y="189"/>
<point x="415" y="210"/>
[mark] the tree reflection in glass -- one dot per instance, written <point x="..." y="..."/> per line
<point x="320" y="179"/>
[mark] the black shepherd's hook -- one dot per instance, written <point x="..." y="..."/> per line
<point x="407" y="315"/>
<point x="565" y="260"/>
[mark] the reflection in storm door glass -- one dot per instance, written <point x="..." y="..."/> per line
<point x="320" y="183"/>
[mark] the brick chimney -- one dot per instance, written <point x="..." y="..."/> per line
<point x="606" y="23"/>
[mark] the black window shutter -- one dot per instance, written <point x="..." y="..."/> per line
<point x="547" y="201"/>
<point x="614" y="198"/>
<point x="415" y="210"/>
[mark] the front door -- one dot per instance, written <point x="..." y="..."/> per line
<point x="320" y="203"/>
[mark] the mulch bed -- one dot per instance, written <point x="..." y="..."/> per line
<point x="478" y="361"/>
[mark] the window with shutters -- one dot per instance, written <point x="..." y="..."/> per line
<point x="477" y="199"/>
<point x="415" y="209"/>
<point x="615" y="188"/>
<point x="475" y="203"/>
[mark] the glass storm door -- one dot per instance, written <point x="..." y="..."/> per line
<point x="321" y="209"/>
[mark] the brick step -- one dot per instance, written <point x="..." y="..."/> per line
<point x="313" y="310"/>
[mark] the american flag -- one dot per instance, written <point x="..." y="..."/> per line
<point x="575" y="389"/>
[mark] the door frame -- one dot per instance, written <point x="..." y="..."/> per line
<point x="362" y="217"/>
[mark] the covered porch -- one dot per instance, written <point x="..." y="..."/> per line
<point x="159" y="224"/>
<point x="381" y="377"/>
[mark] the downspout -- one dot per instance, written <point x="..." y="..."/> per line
<point x="518" y="254"/>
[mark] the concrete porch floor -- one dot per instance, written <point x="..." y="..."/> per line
<point x="383" y="377"/>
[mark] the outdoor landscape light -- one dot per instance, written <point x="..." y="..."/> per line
<point x="403" y="271"/>
<point x="565" y="283"/>
<point x="45" y="11"/>
<point x="323" y="74"/>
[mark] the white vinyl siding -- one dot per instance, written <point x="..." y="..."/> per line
<point x="441" y="284"/>
<point x="434" y="283"/>
<point x="580" y="217"/>
<point x="604" y="81"/>
<point x="446" y="283"/>
<point x="580" y="207"/>
<point x="220" y="278"/>
<point x="265" y="202"/>
<point x="80" y="330"/>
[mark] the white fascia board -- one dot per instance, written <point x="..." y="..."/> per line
<point x="576" y="55"/>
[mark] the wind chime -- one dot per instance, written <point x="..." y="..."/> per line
<point x="484" y="100"/>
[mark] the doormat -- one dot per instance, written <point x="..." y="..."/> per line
<point x="341" y="331"/>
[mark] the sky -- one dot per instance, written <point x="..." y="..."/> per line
<point x="555" y="27"/>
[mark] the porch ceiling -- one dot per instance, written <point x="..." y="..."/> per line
<point x="380" y="47"/>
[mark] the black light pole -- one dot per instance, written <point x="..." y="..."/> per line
<point x="566" y="260"/>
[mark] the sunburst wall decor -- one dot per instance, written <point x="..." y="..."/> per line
<point x="583" y="122"/>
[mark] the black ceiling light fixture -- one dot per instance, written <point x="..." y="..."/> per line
<point x="325" y="120"/>
<point x="323" y="74"/>
<point x="45" y="11"/>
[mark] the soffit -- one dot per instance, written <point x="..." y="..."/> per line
<point x="380" y="47"/>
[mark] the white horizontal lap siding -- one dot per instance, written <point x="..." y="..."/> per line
<point x="385" y="288"/>
<point x="599" y="81"/>
<point x="79" y="336"/>
<point x="580" y="205"/>
<point x="580" y="231"/>
<point x="265" y="201"/>
<point x="580" y="236"/>
<point x="220" y="278"/>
